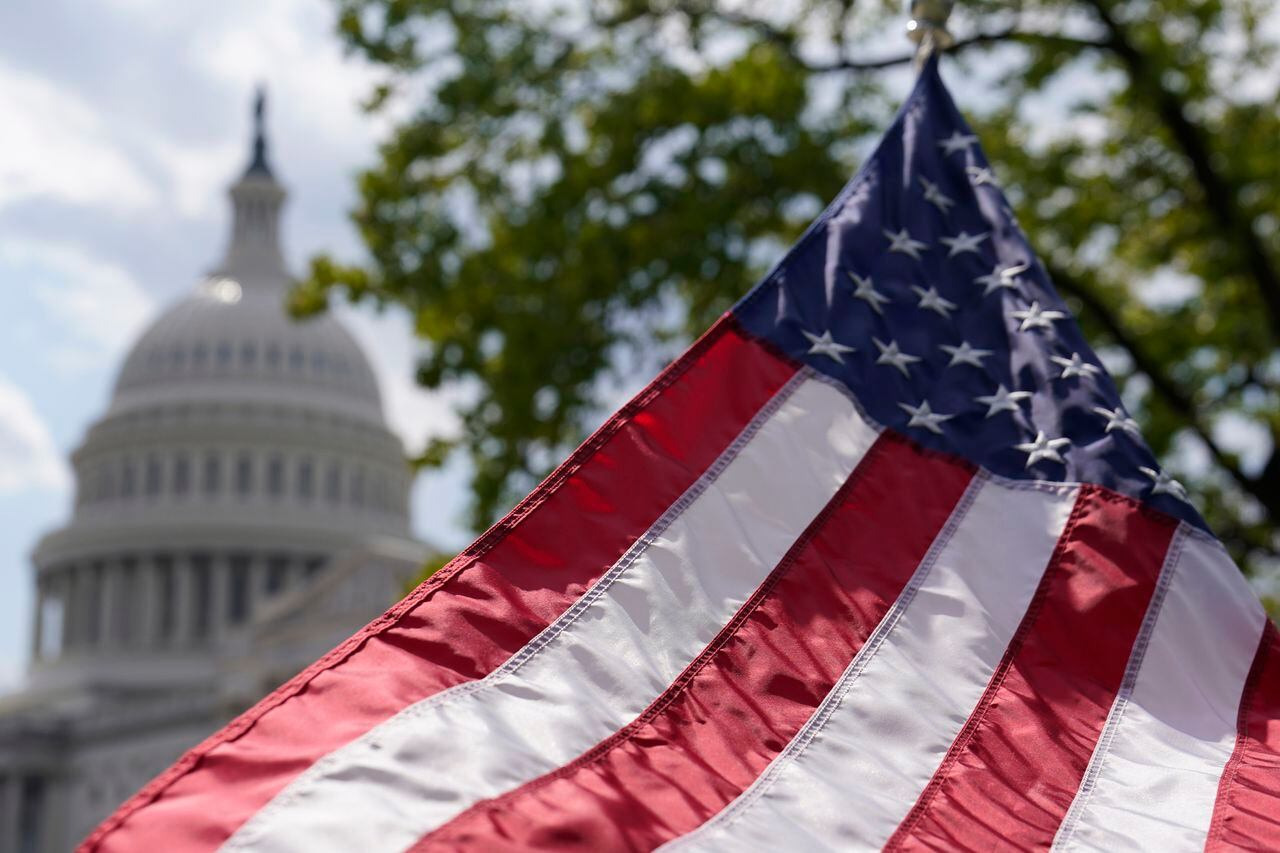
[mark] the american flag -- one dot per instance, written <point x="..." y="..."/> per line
<point x="882" y="561"/>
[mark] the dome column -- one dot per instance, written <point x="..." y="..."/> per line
<point x="109" y="590"/>
<point x="72" y="608"/>
<point x="10" y="790"/>
<point x="37" y="624"/>
<point x="147" y="612"/>
<point x="220" y="598"/>
<point x="96" y="608"/>
<point x="183" y="603"/>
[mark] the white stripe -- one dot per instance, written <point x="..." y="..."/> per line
<point x="1153" y="779"/>
<point x="854" y="771"/>
<point x="598" y="666"/>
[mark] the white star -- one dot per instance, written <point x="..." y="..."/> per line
<point x="824" y="345"/>
<point x="924" y="417"/>
<point x="965" y="354"/>
<point x="931" y="300"/>
<point x="964" y="242"/>
<point x="1011" y="274"/>
<point x="979" y="175"/>
<point x="894" y="357"/>
<point x="1163" y="484"/>
<point x="1117" y="419"/>
<point x="902" y="242"/>
<point x="934" y="196"/>
<point x="1036" y="317"/>
<point x="1003" y="400"/>
<point x="1043" y="448"/>
<point x="1075" y="366"/>
<point x="865" y="289"/>
<point x="1006" y="277"/>
<point x="957" y="141"/>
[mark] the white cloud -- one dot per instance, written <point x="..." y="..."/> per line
<point x="197" y="177"/>
<point x="291" y="45"/>
<point x="56" y="145"/>
<point x="97" y="308"/>
<point x="29" y="458"/>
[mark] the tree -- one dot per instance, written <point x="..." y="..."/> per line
<point x="574" y="188"/>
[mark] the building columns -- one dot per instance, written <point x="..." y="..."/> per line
<point x="146" y="609"/>
<point x="37" y="624"/>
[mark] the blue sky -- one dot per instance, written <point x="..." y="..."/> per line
<point x="124" y="122"/>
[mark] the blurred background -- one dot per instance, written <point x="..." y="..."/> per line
<point x="232" y="431"/>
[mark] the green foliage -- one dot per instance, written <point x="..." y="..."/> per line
<point x="573" y="188"/>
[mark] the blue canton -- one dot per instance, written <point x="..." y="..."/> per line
<point x="918" y="291"/>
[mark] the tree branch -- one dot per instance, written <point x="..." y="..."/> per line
<point x="1221" y="197"/>
<point x="1264" y="488"/>
<point x="786" y="42"/>
<point x="1164" y="386"/>
<point x="1008" y="34"/>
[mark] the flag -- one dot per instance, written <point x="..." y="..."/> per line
<point x="881" y="561"/>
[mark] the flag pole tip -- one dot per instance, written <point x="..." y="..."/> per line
<point x="928" y="27"/>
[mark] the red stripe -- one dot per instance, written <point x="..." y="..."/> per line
<point x="738" y="704"/>
<point x="1011" y="774"/>
<point x="1247" y="814"/>
<point x="477" y="611"/>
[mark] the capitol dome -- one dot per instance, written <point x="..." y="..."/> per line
<point x="243" y="455"/>
<point x="229" y="341"/>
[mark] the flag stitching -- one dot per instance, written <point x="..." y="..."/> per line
<point x="971" y="726"/>
<point x="1141" y="644"/>
<point x="1217" y="827"/>
<point x="238" y="727"/>
<point x="298" y="787"/>
<point x="723" y="637"/>
<point x="861" y="660"/>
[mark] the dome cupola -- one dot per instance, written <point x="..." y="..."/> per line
<point x="242" y="453"/>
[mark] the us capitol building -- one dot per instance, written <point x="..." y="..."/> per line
<point x="241" y="508"/>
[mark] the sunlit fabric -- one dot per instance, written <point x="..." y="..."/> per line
<point x="882" y="561"/>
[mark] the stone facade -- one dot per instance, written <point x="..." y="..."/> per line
<point x="241" y="508"/>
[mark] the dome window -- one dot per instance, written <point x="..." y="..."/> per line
<point x="273" y="356"/>
<point x="152" y="477"/>
<point x="224" y="354"/>
<point x="333" y="483"/>
<point x="357" y="488"/>
<point x="199" y="355"/>
<point x="212" y="473"/>
<point x="128" y="480"/>
<point x="248" y="354"/>
<point x="106" y="484"/>
<point x="275" y="476"/>
<point x="244" y="475"/>
<point x="306" y="479"/>
<point x="178" y="358"/>
<point x="181" y="474"/>
<point x="296" y="359"/>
